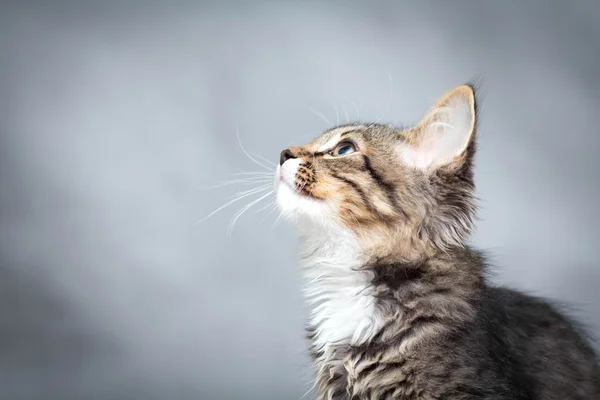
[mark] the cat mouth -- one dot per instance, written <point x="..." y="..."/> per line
<point x="290" y="181"/>
<point x="296" y="188"/>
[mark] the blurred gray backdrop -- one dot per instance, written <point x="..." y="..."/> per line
<point x="114" y="120"/>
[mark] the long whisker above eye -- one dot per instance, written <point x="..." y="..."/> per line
<point x="346" y="112"/>
<point x="318" y="114"/>
<point x="337" y="114"/>
<point x="355" y="107"/>
<point x="389" y="102"/>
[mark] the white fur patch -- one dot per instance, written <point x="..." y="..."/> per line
<point x="339" y="291"/>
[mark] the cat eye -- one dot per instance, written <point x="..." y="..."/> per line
<point x="343" y="149"/>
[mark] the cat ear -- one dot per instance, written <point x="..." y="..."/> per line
<point x="444" y="134"/>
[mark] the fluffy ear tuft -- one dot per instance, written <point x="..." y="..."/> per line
<point x="442" y="137"/>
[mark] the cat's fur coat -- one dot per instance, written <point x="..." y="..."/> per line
<point x="401" y="307"/>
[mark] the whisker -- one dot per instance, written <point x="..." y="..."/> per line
<point x="310" y="389"/>
<point x="265" y="160"/>
<point x="337" y="114"/>
<point x="390" y="101"/>
<point x="240" y="197"/>
<point x="274" y="207"/>
<point x="298" y="189"/>
<point x="242" y="211"/>
<point x="318" y="114"/>
<point x="272" y="203"/>
<point x="276" y="220"/>
<point x="246" y="181"/>
<point x="251" y="191"/>
<point x="257" y="173"/>
<point x="245" y="152"/>
<point x="346" y="112"/>
<point x="355" y="107"/>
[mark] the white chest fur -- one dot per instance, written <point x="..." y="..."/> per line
<point x="338" y="290"/>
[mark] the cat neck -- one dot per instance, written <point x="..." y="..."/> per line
<point x="338" y="289"/>
<point x="344" y="285"/>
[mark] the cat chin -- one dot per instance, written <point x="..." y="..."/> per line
<point x="302" y="210"/>
<point x="307" y="213"/>
<point x="294" y="205"/>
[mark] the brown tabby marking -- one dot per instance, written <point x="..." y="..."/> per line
<point x="401" y="306"/>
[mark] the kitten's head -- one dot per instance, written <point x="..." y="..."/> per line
<point x="392" y="188"/>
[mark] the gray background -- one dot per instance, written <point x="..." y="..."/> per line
<point x="114" y="119"/>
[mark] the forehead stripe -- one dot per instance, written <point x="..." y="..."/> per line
<point x="349" y="132"/>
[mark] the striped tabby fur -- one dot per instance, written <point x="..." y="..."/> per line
<point x="401" y="307"/>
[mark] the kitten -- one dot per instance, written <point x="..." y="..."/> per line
<point x="401" y="306"/>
